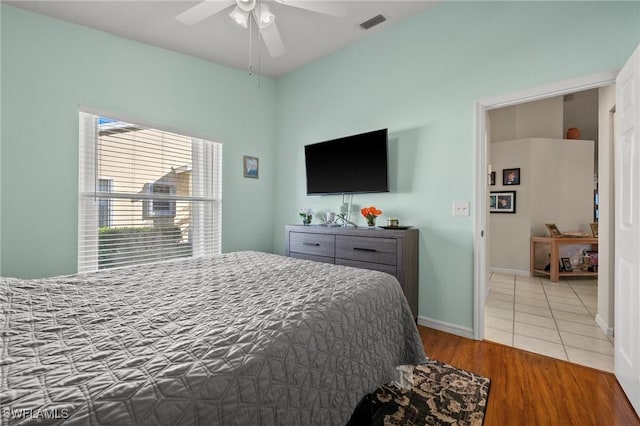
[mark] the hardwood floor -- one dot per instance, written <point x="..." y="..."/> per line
<point x="531" y="389"/>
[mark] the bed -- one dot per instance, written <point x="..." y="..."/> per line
<point x="243" y="338"/>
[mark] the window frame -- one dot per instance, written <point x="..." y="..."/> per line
<point x="204" y="201"/>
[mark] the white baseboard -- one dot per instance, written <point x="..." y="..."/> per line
<point x="604" y="326"/>
<point x="510" y="271"/>
<point x="446" y="327"/>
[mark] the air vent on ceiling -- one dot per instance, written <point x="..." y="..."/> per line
<point x="376" y="20"/>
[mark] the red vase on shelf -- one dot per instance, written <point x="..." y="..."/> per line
<point x="573" y="133"/>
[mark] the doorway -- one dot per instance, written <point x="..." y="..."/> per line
<point x="482" y="273"/>
<point x="556" y="183"/>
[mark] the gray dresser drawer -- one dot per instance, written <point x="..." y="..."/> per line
<point x="365" y="249"/>
<point x="313" y="257"/>
<point x="389" y="269"/>
<point x="315" y="244"/>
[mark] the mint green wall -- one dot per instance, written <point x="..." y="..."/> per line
<point x="50" y="67"/>
<point x="420" y="79"/>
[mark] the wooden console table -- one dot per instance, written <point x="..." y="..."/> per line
<point x="554" y="244"/>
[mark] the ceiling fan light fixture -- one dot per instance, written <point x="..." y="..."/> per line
<point x="266" y="19"/>
<point x="246" y="5"/>
<point x="263" y="16"/>
<point x="240" y="16"/>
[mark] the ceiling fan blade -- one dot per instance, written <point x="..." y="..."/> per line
<point x="272" y="40"/>
<point x="203" y="10"/>
<point x="333" y="8"/>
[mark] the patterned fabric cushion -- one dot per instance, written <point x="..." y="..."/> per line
<point x="242" y="338"/>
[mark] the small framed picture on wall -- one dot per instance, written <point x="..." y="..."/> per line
<point x="250" y="166"/>
<point x="493" y="178"/>
<point x="511" y="176"/>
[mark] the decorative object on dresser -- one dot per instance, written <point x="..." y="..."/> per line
<point x="392" y="251"/>
<point x="370" y="214"/>
<point x="329" y="218"/>
<point x="306" y="214"/>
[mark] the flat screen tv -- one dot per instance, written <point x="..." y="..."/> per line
<point x="348" y="165"/>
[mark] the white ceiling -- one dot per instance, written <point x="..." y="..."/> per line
<point x="307" y="36"/>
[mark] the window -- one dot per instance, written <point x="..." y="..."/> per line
<point x="105" y="204"/>
<point x="157" y="207"/>
<point x="161" y="200"/>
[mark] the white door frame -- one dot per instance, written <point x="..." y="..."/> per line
<point x="481" y="107"/>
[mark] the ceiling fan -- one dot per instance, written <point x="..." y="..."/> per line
<point x="262" y="15"/>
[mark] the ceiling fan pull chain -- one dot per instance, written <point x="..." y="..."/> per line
<point x="250" y="48"/>
<point x="259" y="41"/>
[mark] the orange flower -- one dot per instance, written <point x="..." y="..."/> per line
<point x="370" y="212"/>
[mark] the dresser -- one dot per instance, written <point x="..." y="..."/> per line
<point x="394" y="251"/>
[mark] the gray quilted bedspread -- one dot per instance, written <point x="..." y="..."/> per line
<point x="243" y="338"/>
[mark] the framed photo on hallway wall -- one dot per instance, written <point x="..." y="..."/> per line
<point x="511" y="176"/>
<point x="502" y="202"/>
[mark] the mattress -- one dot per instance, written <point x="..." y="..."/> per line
<point x="243" y="338"/>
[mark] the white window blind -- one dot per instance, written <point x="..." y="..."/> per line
<point x="145" y="194"/>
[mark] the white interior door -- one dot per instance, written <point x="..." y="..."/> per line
<point x="627" y="235"/>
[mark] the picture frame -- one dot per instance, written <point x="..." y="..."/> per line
<point x="593" y="260"/>
<point x="493" y="178"/>
<point x="502" y="202"/>
<point x="250" y="166"/>
<point x="511" y="176"/>
<point x="566" y="264"/>
<point x="594" y="229"/>
<point x="553" y="230"/>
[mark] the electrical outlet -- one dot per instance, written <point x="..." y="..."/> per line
<point x="461" y="208"/>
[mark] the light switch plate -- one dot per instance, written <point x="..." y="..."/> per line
<point x="461" y="208"/>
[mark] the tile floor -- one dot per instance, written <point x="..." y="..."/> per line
<point x="553" y="319"/>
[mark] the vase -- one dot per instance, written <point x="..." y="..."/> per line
<point x="573" y="133"/>
<point x="371" y="222"/>
<point x="306" y="220"/>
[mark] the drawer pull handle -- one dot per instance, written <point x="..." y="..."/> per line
<point x="364" y="249"/>
<point x="311" y="244"/>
